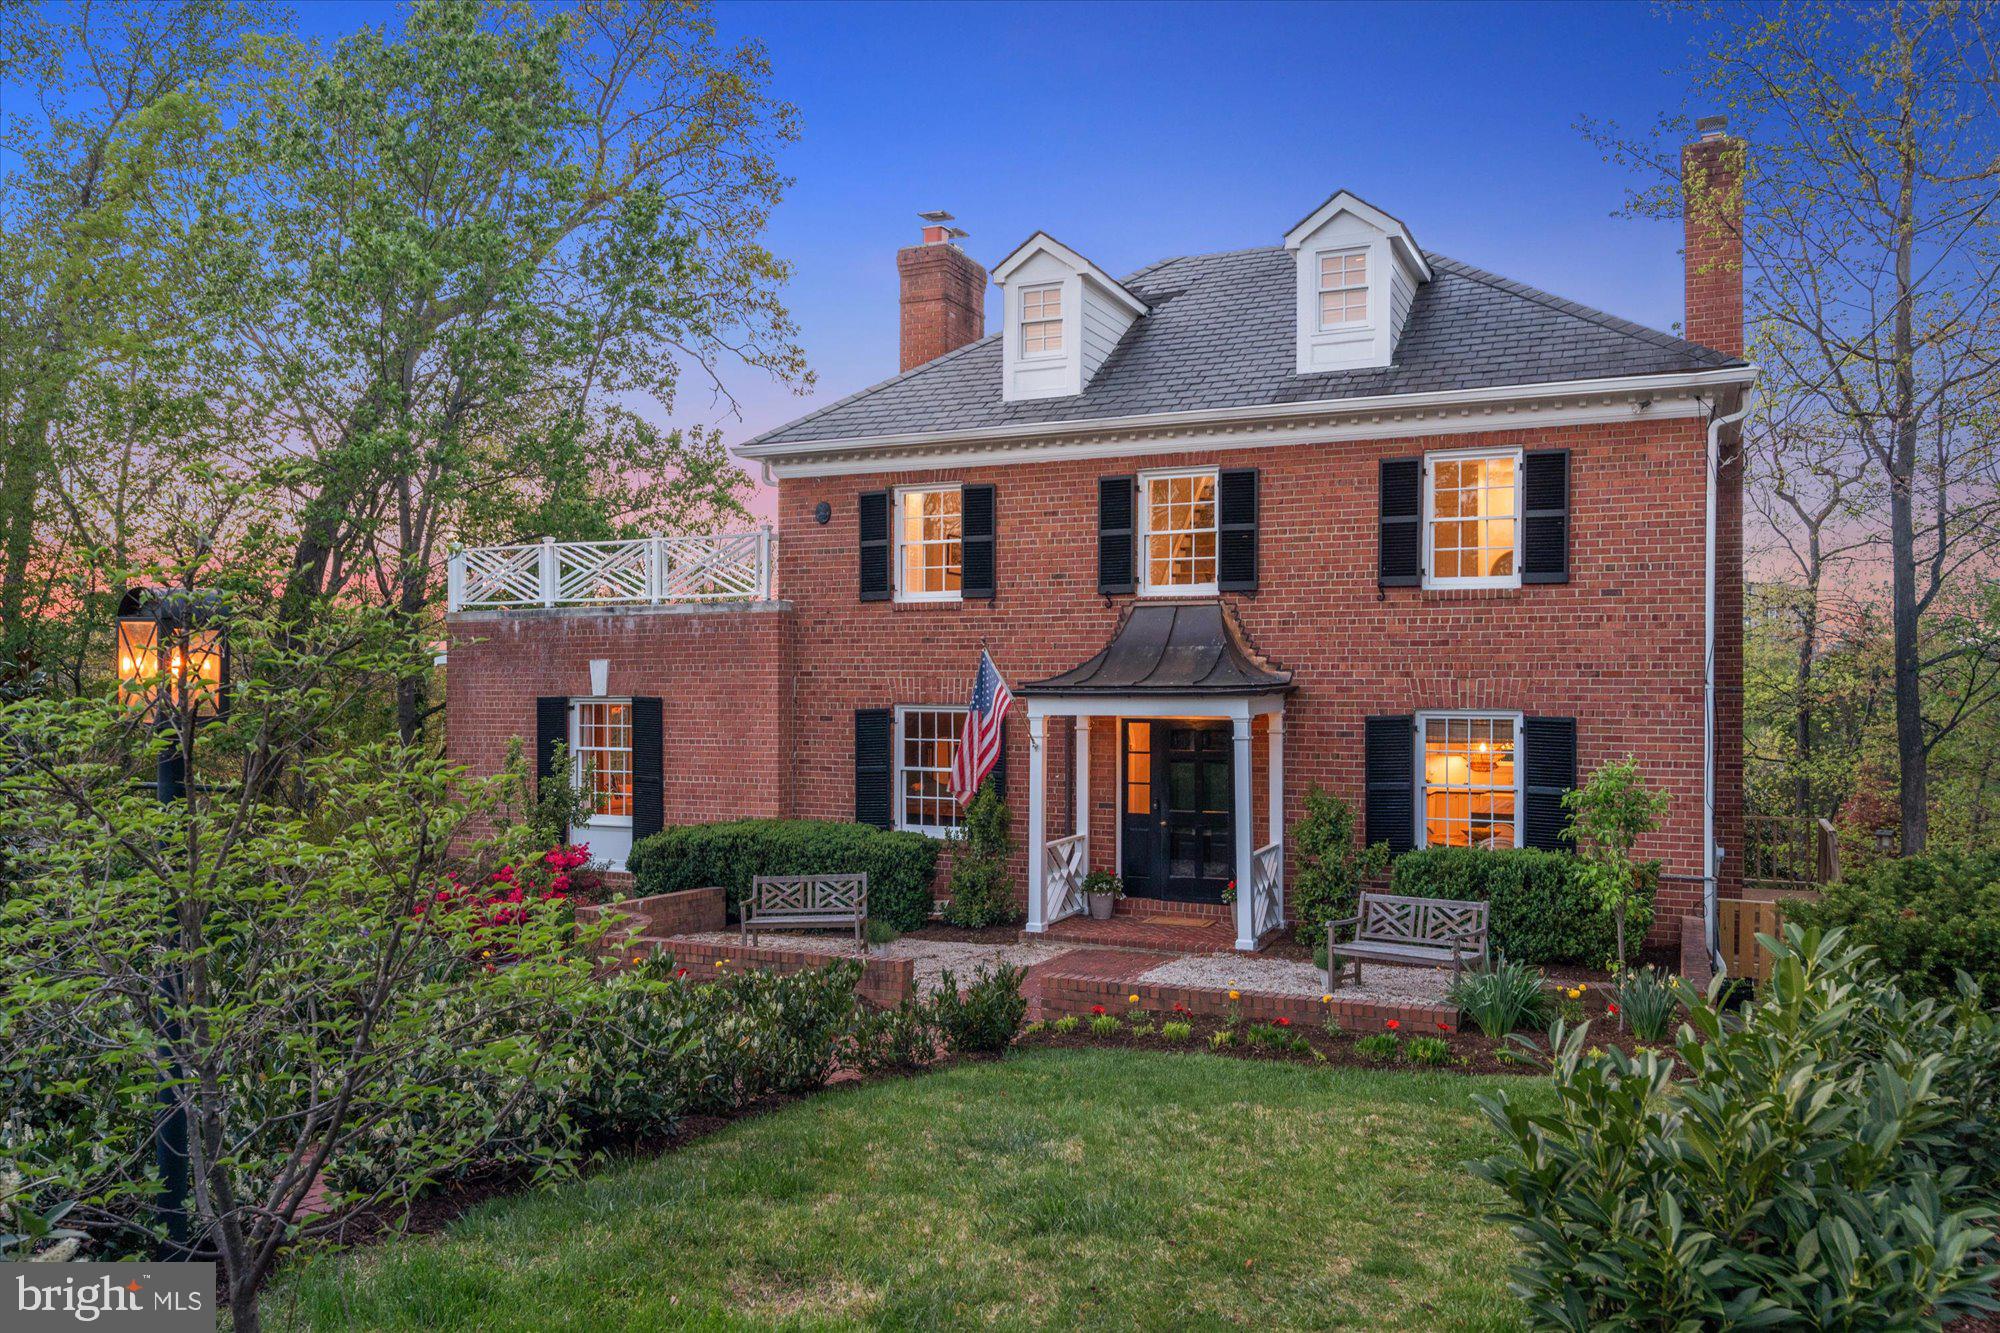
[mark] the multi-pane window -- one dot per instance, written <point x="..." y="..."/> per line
<point x="1468" y="781"/>
<point x="1474" y="519"/>
<point x="1041" y="320"/>
<point x="1180" y="531"/>
<point x="926" y="745"/>
<point x="1138" y="767"/>
<point x="1343" y="289"/>
<point x="601" y="750"/>
<point x="929" y="550"/>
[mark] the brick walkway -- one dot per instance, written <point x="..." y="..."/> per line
<point x="1133" y="931"/>
<point x="1119" y="965"/>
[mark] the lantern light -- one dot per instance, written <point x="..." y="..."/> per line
<point x="171" y="648"/>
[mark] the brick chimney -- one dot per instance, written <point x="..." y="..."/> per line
<point x="1712" y="202"/>
<point x="943" y="293"/>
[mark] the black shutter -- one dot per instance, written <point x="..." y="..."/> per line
<point x="1390" y="751"/>
<point x="997" y="775"/>
<point x="1402" y="502"/>
<point x="975" y="518"/>
<point x="551" y="730"/>
<point x="1236" y="530"/>
<point x="875" y="546"/>
<point x="1545" y="516"/>
<point x="649" y="802"/>
<point x="1551" y="770"/>
<point x="874" y="733"/>
<point x="1115" y="500"/>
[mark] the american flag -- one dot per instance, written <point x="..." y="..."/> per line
<point x="979" y="747"/>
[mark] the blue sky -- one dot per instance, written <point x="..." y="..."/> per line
<point x="1136" y="131"/>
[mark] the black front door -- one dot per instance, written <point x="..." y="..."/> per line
<point x="1179" y="812"/>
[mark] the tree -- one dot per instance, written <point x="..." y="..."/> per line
<point x="1872" y="249"/>
<point x="980" y="892"/>
<point x="1608" y="815"/>
<point x="1331" y="864"/>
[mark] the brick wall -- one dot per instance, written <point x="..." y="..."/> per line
<point x="943" y="301"/>
<point x="687" y="912"/>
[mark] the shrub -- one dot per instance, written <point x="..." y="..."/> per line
<point x="1176" y="1031"/>
<point x="1378" y="1045"/>
<point x="899" y="866"/>
<point x="879" y="931"/>
<point x="1543" y="908"/>
<point x="1326" y="882"/>
<point x="986" y="1016"/>
<point x="1500" y="998"/>
<point x="981" y="892"/>
<point x="1927" y="918"/>
<point x="1825" y="1163"/>
<point x="1104" y="1025"/>
<point x="899" y="1040"/>
<point x="1608" y="815"/>
<point x="1647" y="1001"/>
<point x="1428" y="1051"/>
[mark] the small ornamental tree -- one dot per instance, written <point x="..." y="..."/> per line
<point x="1608" y="815"/>
<point x="1330" y="864"/>
<point x="980" y="893"/>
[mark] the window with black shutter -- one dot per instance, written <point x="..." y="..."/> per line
<point x="976" y="526"/>
<point x="1390" y="758"/>
<point x="1545" y="516"/>
<point x="1236" y="539"/>
<point x="875" y="546"/>
<point x="874" y="729"/>
<point x="1401" y="545"/>
<point x="1550" y="761"/>
<point x="649" y="807"/>
<point x="1115" y="505"/>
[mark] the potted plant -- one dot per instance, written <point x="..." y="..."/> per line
<point x="1102" y="889"/>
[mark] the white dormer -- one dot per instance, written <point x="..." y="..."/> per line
<point x="1063" y="316"/>
<point x="1358" y="272"/>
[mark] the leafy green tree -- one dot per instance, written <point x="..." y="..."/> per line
<point x="1330" y="864"/>
<point x="1608" y="815"/>
<point x="981" y="891"/>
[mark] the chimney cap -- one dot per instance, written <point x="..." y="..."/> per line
<point x="934" y="215"/>
<point x="938" y="229"/>
<point x="1711" y="127"/>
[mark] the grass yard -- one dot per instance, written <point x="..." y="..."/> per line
<point x="1052" y="1189"/>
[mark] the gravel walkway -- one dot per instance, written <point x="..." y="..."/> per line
<point x="1272" y="976"/>
<point x="931" y="957"/>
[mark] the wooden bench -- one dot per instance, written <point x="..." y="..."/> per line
<point x="1392" y="929"/>
<point x="784" y="901"/>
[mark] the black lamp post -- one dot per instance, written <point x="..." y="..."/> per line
<point x="173" y="662"/>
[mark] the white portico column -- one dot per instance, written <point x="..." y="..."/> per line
<point x="1038" y="763"/>
<point x="1274" y="765"/>
<point x="1082" y="824"/>
<point x="1245" y="838"/>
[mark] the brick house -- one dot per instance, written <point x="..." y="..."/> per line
<point x="1332" y="511"/>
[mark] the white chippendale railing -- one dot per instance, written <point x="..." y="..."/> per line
<point x="1267" y="888"/>
<point x="726" y="567"/>
<point x="1065" y="861"/>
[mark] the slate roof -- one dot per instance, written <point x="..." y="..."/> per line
<point x="1170" y="648"/>
<point x="1220" y="335"/>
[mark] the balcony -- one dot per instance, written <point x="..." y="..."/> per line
<point x="647" y="571"/>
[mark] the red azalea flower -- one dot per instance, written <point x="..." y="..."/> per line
<point x="1096" y="1008"/>
<point x="1394" y="1024"/>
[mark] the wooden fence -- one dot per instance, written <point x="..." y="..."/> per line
<point x="1738" y="922"/>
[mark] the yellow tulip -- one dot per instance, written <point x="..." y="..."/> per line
<point x="1234" y="996"/>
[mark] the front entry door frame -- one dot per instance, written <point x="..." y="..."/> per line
<point x="1157" y="835"/>
<point x="1238" y="710"/>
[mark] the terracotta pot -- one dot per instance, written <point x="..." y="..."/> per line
<point x="1100" y="905"/>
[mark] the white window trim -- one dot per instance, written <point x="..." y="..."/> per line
<point x="931" y="830"/>
<point x="903" y="594"/>
<point x="1520" y="764"/>
<point x="1061" y="321"/>
<point x="1428" y="516"/>
<point x="1147" y="588"/>
<point x="591" y="819"/>
<point x="1366" y="322"/>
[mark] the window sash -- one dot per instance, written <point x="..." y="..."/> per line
<point x="1041" y="321"/>
<point x="1470" y="768"/>
<point x="926" y="747"/>
<point x="930" y="544"/>
<point x="1343" y="288"/>
<point x="1180" y="527"/>
<point x="1472" y="520"/>
<point x="600" y="745"/>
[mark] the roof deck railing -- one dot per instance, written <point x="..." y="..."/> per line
<point x="647" y="571"/>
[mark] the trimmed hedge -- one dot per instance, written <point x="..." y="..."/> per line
<point x="1927" y="918"/>
<point x="899" y="866"/>
<point x="1543" y="910"/>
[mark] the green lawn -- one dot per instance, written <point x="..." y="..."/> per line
<point x="1052" y="1189"/>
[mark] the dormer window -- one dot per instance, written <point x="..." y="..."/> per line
<point x="1041" y="321"/>
<point x="1343" y="288"/>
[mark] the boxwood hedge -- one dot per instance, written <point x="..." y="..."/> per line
<point x="899" y="866"/>
<point x="1543" y="911"/>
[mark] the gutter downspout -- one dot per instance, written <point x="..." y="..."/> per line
<point x="1710" y="854"/>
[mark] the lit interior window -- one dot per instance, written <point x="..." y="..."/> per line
<point x="1469" y="782"/>
<point x="929" y="745"/>
<point x="1180" y="530"/>
<point x="1473" y="508"/>
<point x="1343" y="289"/>
<point x="1139" y="767"/>
<point x="1041" y="320"/>
<point x="929" y="536"/>
<point x="603" y="757"/>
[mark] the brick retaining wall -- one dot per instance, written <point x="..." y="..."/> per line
<point x="1062" y="994"/>
<point x="687" y="912"/>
